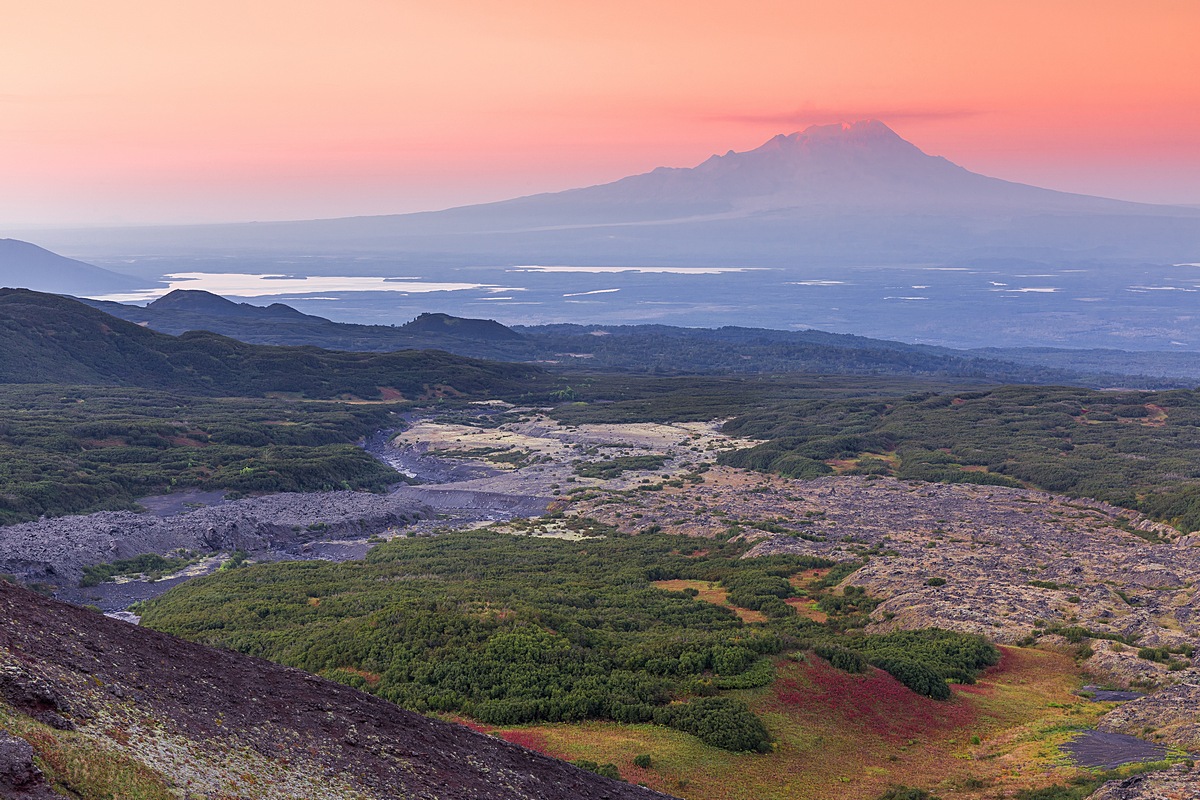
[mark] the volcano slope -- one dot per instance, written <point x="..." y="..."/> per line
<point x="112" y="710"/>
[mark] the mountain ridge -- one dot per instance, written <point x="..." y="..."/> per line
<point x="639" y="348"/>
<point x="27" y="266"/>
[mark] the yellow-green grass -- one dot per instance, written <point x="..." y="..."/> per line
<point x="85" y="766"/>
<point x="712" y="593"/>
<point x="851" y="736"/>
<point x="806" y="581"/>
<point x="844" y="465"/>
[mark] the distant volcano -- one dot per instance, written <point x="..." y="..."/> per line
<point x="842" y="168"/>
<point x="839" y="193"/>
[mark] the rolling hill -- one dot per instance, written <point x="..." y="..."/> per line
<point x="184" y="310"/>
<point x="52" y="339"/>
<point x="646" y="348"/>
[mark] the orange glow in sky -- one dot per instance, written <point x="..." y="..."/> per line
<point x="136" y="111"/>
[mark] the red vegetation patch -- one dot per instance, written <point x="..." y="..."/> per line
<point x="876" y="703"/>
<point x="467" y="722"/>
<point x="372" y="678"/>
<point x="533" y="740"/>
<point x="184" y="441"/>
<point x="808" y="575"/>
<point x="976" y="689"/>
<point x="1012" y="659"/>
<point x="390" y="393"/>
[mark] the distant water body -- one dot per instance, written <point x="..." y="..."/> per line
<point x="1001" y="303"/>
<point x="239" y="284"/>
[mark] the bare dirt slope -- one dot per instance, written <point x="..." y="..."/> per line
<point x="216" y="724"/>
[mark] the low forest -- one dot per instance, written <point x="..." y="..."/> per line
<point x="511" y="629"/>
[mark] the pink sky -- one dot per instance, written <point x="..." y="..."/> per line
<point x="137" y="111"/>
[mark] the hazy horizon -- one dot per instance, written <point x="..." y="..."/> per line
<point x="218" y="112"/>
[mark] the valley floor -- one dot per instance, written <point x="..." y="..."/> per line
<point x="1077" y="591"/>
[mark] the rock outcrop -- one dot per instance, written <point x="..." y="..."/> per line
<point x="1177" y="783"/>
<point x="20" y="779"/>
<point x="1170" y="716"/>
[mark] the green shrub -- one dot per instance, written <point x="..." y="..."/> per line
<point x="916" y="676"/>
<point x="799" y="467"/>
<point x="614" y="468"/>
<point x="718" y="721"/>
<point x="151" y="565"/>
<point x="758" y="675"/>
<point x="841" y="658"/>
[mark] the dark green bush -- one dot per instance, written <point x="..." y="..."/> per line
<point x="719" y="721"/>
<point x="605" y="770"/>
<point x="841" y="658"/>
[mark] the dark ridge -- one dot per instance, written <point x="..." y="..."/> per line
<point x="53" y="339"/>
<point x="201" y="302"/>
<point x="446" y="325"/>
<point x="660" y="349"/>
<point x="191" y="310"/>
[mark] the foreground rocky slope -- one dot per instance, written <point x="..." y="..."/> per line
<point x="198" y="722"/>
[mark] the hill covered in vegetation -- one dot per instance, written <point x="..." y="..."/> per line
<point x="52" y="339"/>
<point x="184" y="310"/>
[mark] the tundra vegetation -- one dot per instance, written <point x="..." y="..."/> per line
<point x="78" y="449"/>
<point x="70" y="450"/>
<point x="1129" y="448"/>
<point x="510" y="629"/>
